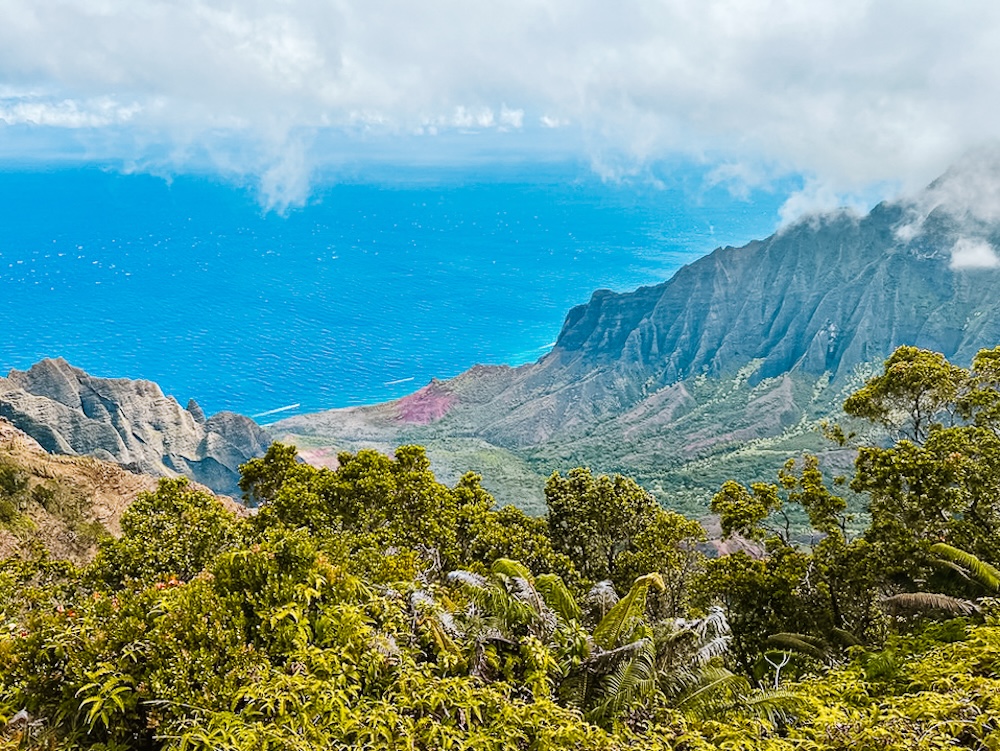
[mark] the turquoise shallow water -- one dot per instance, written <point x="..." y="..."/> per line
<point x="363" y="295"/>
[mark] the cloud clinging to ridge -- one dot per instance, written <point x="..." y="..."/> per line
<point x="971" y="253"/>
<point x="851" y="92"/>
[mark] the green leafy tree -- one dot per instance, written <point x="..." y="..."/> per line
<point x="940" y="479"/>
<point x="485" y="534"/>
<point x="743" y="511"/>
<point x="592" y="520"/>
<point x="840" y="576"/>
<point x="668" y="547"/>
<point x="759" y="597"/>
<point x="175" y="531"/>
<point x="917" y="390"/>
<point x="370" y="501"/>
<point x="261" y="478"/>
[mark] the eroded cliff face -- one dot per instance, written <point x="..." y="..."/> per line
<point x="820" y="296"/>
<point x="819" y="299"/>
<point x="130" y="422"/>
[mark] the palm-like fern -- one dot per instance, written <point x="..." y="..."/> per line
<point x="967" y="565"/>
<point x="607" y="682"/>
<point x="507" y="597"/>
<point x="810" y="646"/>
<point x="600" y="599"/>
<point x="919" y="602"/>
<point x="622" y="619"/>
<point x="558" y="597"/>
<point x="509" y="606"/>
<point x="685" y="647"/>
<point x="723" y="694"/>
<point x="630" y="681"/>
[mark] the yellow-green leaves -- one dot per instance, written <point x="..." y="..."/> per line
<point x="742" y="511"/>
<point x="984" y="573"/>
<point x="917" y="389"/>
<point x="106" y="697"/>
<point x="621" y="621"/>
<point x="558" y="597"/>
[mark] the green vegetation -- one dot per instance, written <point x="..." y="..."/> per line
<point x="374" y="607"/>
<point x="13" y="492"/>
<point x="727" y="433"/>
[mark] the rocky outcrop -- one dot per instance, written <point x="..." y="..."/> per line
<point x="130" y="422"/>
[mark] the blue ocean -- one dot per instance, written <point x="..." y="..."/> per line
<point x="364" y="294"/>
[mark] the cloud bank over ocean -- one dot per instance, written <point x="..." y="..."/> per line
<point x="847" y="93"/>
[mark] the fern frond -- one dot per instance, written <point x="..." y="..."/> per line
<point x="558" y="597"/>
<point x="674" y="637"/>
<point x="494" y="600"/>
<point x="714" y="622"/>
<point x="575" y="688"/>
<point x="801" y="643"/>
<point x="844" y="638"/>
<point x="884" y="666"/>
<point x="466" y="579"/>
<point x="815" y="641"/>
<point x="678" y="680"/>
<point x="714" y="698"/>
<point x="711" y="649"/>
<point x="953" y="567"/>
<point x="607" y="662"/>
<point x="915" y="602"/>
<point x="980" y="570"/>
<point x="512" y="569"/>
<point x="602" y="597"/>
<point x="621" y="619"/>
<point x="630" y="681"/>
<point x="773" y="705"/>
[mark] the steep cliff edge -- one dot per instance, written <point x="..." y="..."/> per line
<point x="128" y="422"/>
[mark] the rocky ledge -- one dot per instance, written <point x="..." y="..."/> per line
<point x="130" y="422"/>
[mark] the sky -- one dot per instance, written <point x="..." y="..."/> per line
<point x="856" y="98"/>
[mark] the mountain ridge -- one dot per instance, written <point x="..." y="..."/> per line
<point x="769" y="335"/>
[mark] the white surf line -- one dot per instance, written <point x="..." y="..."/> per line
<point x="401" y="380"/>
<point x="276" y="411"/>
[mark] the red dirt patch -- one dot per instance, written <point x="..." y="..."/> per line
<point x="320" y="457"/>
<point x="425" y="406"/>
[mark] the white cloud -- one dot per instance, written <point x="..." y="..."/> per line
<point x="286" y="180"/>
<point x="849" y="92"/>
<point x="511" y="118"/>
<point x="814" y="198"/>
<point x="970" y="253"/>
<point x="95" y="113"/>
<point x="481" y="117"/>
<point x="818" y="197"/>
<point x="969" y="193"/>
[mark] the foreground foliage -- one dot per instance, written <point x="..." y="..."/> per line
<point x="373" y="607"/>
